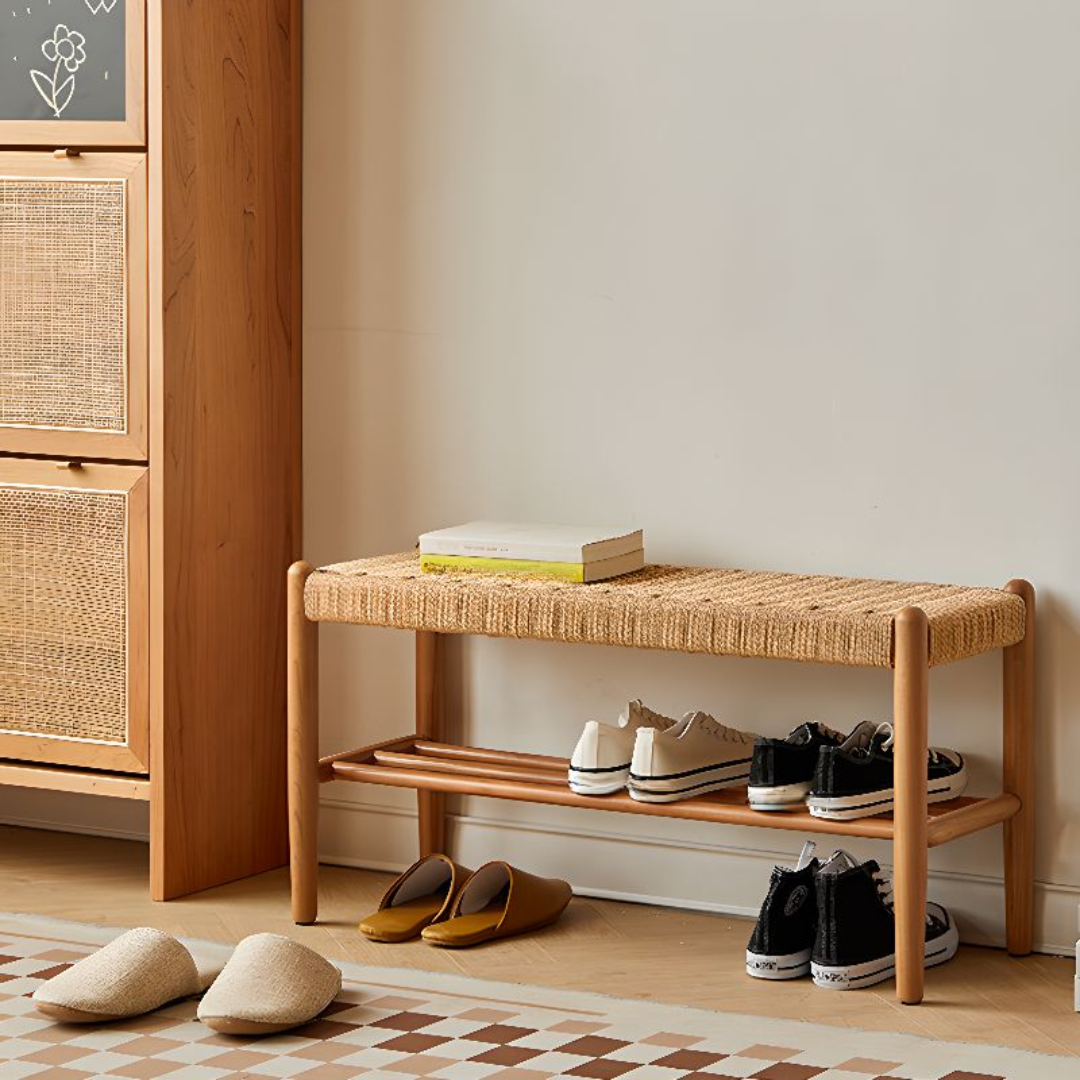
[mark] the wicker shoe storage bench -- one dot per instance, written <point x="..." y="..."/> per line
<point x="149" y="416"/>
<point x="906" y="627"/>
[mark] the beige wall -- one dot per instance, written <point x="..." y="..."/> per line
<point x="791" y="285"/>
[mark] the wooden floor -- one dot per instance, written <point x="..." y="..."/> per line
<point x="626" y="950"/>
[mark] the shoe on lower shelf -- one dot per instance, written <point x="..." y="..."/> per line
<point x="696" y="755"/>
<point x="783" y="936"/>
<point x="855" y="944"/>
<point x="855" y="779"/>
<point x="600" y="764"/>
<point x="782" y="770"/>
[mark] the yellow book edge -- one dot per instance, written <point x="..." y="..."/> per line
<point x="478" y="564"/>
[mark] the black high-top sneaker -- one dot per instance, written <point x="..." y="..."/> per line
<point x="855" y="780"/>
<point x="783" y="937"/>
<point x="782" y="770"/>
<point x="855" y="944"/>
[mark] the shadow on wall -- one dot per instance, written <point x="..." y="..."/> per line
<point x="361" y="279"/>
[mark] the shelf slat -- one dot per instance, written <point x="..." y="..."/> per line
<point x="468" y="768"/>
<point x="974" y="814"/>
<point x="411" y="762"/>
<point x="494" y="757"/>
<point x="729" y="806"/>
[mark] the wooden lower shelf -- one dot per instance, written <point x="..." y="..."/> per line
<point x="413" y="762"/>
<point x="79" y="781"/>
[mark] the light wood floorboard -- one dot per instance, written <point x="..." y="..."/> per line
<point x="626" y="950"/>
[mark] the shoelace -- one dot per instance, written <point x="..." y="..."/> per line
<point x="935" y="757"/>
<point x="721" y="731"/>
<point x="826" y="731"/>
<point x="885" y="891"/>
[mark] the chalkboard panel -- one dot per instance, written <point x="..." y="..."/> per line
<point x="62" y="60"/>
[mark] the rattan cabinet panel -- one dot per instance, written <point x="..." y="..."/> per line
<point x="73" y="614"/>
<point x="73" y="305"/>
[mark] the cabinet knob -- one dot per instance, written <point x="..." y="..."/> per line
<point x="66" y="152"/>
<point x="70" y="465"/>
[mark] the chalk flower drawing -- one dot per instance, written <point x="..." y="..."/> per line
<point x="64" y="49"/>
<point x="97" y="6"/>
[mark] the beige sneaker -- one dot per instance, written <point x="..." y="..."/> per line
<point x="601" y="761"/>
<point x="696" y="755"/>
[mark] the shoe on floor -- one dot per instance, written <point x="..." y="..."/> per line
<point x="422" y="895"/>
<point x="782" y="770"/>
<point x="497" y="902"/>
<point x="600" y="764"/>
<point x="137" y="972"/>
<point x="783" y="936"/>
<point x="696" y="755"/>
<point x="270" y="984"/>
<point x="855" y="941"/>
<point x="855" y="779"/>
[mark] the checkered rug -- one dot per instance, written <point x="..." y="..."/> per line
<point x="390" y="1024"/>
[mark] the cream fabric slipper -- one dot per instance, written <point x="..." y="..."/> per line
<point x="137" y="972"/>
<point x="270" y="984"/>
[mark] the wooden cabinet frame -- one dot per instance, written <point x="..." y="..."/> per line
<point x="213" y="150"/>
<point x="129" y="445"/>
<point x="129" y="132"/>
<point x="131" y="756"/>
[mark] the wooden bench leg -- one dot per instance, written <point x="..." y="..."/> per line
<point x="303" y="680"/>
<point x="430" y="713"/>
<point x="910" y="717"/>
<point x="1018" y="775"/>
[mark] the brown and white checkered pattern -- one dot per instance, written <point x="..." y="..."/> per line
<point x="381" y="1032"/>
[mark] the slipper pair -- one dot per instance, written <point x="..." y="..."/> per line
<point x="269" y="984"/>
<point x="452" y="906"/>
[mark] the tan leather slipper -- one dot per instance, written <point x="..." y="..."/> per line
<point x="137" y="972"/>
<point x="421" y="896"/>
<point x="499" y="901"/>
<point x="271" y="983"/>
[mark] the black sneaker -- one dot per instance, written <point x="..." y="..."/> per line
<point x="782" y="770"/>
<point x="783" y="937"/>
<point x="855" y="944"/>
<point x="855" y="780"/>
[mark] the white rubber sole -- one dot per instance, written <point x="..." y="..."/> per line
<point x="856" y="976"/>
<point x="792" y="966"/>
<point x="687" y="785"/>
<point x="607" y="782"/>
<point x="780" y="797"/>
<point x="871" y="803"/>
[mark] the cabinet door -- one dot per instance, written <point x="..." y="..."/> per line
<point x="74" y="615"/>
<point x="73" y="347"/>
<point x="72" y="73"/>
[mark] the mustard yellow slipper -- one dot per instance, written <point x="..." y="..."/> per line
<point x="497" y="902"/>
<point x="421" y="896"/>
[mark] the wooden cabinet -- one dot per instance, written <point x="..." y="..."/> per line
<point x="73" y="73"/>
<point x="73" y="342"/>
<point x="149" y="415"/>
<point x="74" y="614"/>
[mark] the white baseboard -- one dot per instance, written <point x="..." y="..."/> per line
<point x="663" y="863"/>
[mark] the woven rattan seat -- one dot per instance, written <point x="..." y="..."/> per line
<point x="828" y="620"/>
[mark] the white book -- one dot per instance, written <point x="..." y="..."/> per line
<point x="539" y="543"/>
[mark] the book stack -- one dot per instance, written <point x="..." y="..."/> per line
<point x="565" y="552"/>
